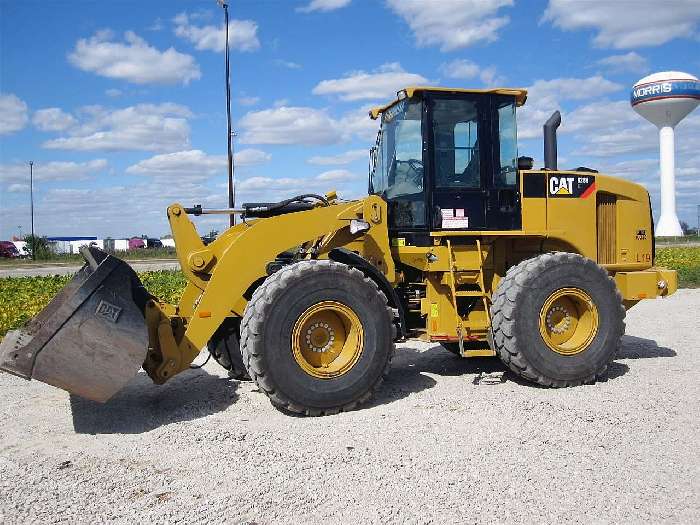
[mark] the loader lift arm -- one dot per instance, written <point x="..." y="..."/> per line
<point x="222" y="273"/>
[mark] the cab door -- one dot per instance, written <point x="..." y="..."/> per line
<point x="459" y="132"/>
<point x="473" y="162"/>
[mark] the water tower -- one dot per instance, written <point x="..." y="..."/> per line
<point x="664" y="99"/>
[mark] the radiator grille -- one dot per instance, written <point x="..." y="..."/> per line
<point x="606" y="220"/>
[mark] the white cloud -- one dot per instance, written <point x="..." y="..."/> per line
<point x="133" y="60"/>
<point x="624" y="25"/>
<point x="336" y="176"/>
<point x="305" y="125"/>
<point x="144" y="127"/>
<point x="17" y="188"/>
<point x="357" y="123"/>
<point x="637" y="170"/>
<point x="289" y="125"/>
<point x="545" y="96"/>
<point x="243" y="34"/>
<point x="462" y="69"/>
<point x="323" y="5"/>
<point x="195" y="164"/>
<point x="112" y="92"/>
<point x="288" y="64"/>
<point x="628" y="63"/>
<point x="490" y="78"/>
<point x="250" y="157"/>
<point x="384" y="82"/>
<point x="52" y="171"/>
<point x="189" y="163"/>
<point x="157" y="25"/>
<point x="53" y="119"/>
<point x="452" y="24"/>
<point x="269" y="184"/>
<point x="573" y="88"/>
<point x="610" y="129"/>
<point x="13" y="114"/>
<point x="601" y="114"/>
<point x="340" y="159"/>
<point x="278" y="188"/>
<point x="248" y="101"/>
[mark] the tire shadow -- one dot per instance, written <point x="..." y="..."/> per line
<point x="142" y="406"/>
<point x="410" y="366"/>
<point x="633" y="347"/>
<point x="640" y="348"/>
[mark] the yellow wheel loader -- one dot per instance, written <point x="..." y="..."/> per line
<point x="459" y="242"/>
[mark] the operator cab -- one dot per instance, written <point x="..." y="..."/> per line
<point x="447" y="159"/>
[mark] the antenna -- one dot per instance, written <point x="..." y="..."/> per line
<point x="31" y="204"/>
<point x="229" y="138"/>
<point x="664" y="99"/>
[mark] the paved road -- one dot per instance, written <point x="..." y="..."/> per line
<point x="435" y="446"/>
<point x="31" y="270"/>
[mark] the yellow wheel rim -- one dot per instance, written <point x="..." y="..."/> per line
<point x="568" y="321"/>
<point x="327" y="340"/>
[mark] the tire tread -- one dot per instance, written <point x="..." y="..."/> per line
<point x="506" y="299"/>
<point x="257" y="311"/>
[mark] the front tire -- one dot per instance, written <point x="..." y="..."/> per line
<point x="557" y="319"/>
<point x="317" y="337"/>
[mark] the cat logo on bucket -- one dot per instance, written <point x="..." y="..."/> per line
<point x="571" y="186"/>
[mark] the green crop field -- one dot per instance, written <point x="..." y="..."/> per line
<point x="686" y="260"/>
<point x="23" y="297"/>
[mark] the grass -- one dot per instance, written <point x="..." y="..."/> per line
<point x="687" y="239"/>
<point x="23" y="297"/>
<point x="76" y="258"/>
<point x="686" y="260"/>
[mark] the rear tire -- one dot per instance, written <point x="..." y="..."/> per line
<point x="557" y="319"/>
<point x="225" y="348"/>
<point x="317" y="337"/>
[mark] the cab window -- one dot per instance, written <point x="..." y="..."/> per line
<point x="398" y="168"/>
<point x="507" y="167"/>
<point x="456" y="138"/>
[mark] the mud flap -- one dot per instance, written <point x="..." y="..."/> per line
<point x="91" y="339"/>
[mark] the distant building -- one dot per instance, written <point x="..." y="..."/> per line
<point x="72" y="244"/>
<point x="116" y="245"/>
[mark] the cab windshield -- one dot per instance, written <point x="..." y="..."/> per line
<point x="397" y="171"/>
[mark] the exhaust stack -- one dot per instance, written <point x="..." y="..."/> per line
<point x="550" y="141"/>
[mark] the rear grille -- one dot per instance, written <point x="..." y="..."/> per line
<point x="606" y="219"/>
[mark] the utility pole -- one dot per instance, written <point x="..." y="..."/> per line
<point x="231" y="194"/>
<point x="31" y="205"/>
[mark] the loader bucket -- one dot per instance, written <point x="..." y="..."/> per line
<point x="91" y="339"/>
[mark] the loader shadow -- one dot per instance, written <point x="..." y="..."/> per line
<point x="143" y="406"/>
<point x="410" y="366"/>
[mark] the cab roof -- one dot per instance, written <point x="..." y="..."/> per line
<point x="519" y="94"/>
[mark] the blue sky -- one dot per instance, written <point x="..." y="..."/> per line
<point x="121" y="104"/>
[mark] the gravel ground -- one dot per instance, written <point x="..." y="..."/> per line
<point x="38" y="270"/>
<point x="436" y="445"/>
